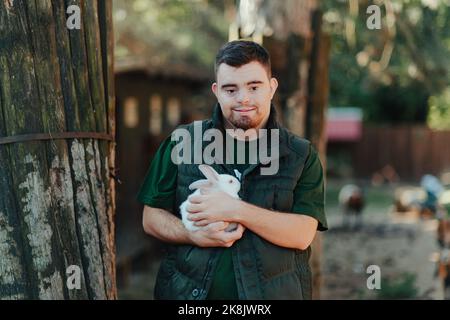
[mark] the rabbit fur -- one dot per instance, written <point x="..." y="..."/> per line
<point x="218" y="182"/>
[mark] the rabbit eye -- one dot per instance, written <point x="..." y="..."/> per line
<point x="231" y="181"/>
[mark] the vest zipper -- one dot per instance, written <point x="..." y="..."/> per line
<point x="208" y="272"/>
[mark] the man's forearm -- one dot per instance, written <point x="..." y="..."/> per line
<point x="289" y="230"/>
<point x="165" y="226"/>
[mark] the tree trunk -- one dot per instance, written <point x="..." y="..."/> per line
<point x="56" y="195"/>
<point x="315" y="120"/>
<point x="300" y="59"/>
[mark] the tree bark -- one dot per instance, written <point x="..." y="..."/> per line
<point x="56" y="196"/>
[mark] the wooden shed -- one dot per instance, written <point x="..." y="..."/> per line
<point x="151" y="100"/>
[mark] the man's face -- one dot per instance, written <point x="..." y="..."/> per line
<point x="244" y="94"/>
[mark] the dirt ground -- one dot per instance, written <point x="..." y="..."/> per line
<point x="402" y="245"/>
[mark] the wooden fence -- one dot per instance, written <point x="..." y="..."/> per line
<point x="411" y="151"/>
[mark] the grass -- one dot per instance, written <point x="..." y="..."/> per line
<point x="403" y="287"/>
<point x="376" y="196"/>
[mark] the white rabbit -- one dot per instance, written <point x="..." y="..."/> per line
<point x="216" y="182"/>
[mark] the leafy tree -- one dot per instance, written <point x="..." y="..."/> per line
<point x="170" y="31"/>
<point x="396" y="72"/>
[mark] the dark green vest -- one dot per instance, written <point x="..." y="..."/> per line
<point x="263" y="270"/>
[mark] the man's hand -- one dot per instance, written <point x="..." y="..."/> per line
<point x="210" y="207"/>
<point x="290" y="230"/>
<point x="214" y="235"/>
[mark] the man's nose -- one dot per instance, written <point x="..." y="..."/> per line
<point x="243" y="97"/>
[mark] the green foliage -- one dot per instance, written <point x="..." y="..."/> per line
<point x="402" y="288"/>
<point x="439" y="114"/>
<point x="391" y="73"/>
<point x="398" y="74"/>
<point x="170" y="31"/>
<point x="399" y="104"/>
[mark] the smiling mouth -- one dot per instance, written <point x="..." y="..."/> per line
<point x="244" y="110"/>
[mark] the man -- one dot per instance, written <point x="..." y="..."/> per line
<point x="267" y="257"/>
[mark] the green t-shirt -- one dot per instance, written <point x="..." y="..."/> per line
<point x="159" y="187"/>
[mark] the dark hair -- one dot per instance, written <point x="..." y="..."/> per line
<point x="239" y="52"/>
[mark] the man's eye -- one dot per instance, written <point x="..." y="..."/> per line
<point x="254" y="88"/>
<point x="230" y="91"/>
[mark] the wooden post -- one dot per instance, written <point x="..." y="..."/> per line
<point x="56" y="196"/>
<point x="300" y="59"/>
<point x="315" y="120"/>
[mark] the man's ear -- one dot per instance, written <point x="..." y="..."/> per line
<point x="273" y="86"/>
<point x="214" y="88"/>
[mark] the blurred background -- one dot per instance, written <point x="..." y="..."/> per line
<point x="374" y="101"/>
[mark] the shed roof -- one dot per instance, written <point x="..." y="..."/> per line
<point x="344" y="124"/>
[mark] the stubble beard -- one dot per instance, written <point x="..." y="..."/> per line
<point x="244" y="122"/>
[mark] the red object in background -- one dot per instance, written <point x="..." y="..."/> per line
<point x="344" y="124"/>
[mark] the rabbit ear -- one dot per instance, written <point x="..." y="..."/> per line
<point x="209" y="172"/>
<point x="200" y="183"/>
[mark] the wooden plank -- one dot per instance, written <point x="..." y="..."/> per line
<point x="89" y="201"/>
<point x="13" y="279"/>
<point x="51" y="102"/>
<point x="107" y="43"/>
<point x="28" y="161"/>
<point x="99" y="150"/>
<point x="56" y="211"/>
<point x="404" y="165"/>
<point x="419" y="151"/>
